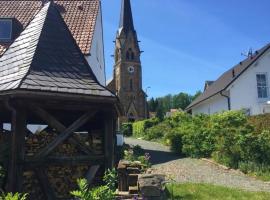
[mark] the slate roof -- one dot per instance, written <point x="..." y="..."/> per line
<point x="79" y="15"/>
<point x="45" y="57"/>
<point x="227" y="78"/>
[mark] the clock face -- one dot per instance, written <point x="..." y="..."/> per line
<point x="131" y="69"/>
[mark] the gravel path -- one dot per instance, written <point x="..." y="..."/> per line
<point x="194" y="170"/>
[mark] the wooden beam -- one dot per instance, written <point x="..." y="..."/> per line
<point x="29" y="162"/>
<point x="45" y="184"/>
<point x="54" y="123"/>
<point x="109" y="140"/>
<point x="15" y="170"/>
<point x="90" y="175"/>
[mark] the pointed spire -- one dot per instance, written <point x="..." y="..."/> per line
<point x="126" y="20"/>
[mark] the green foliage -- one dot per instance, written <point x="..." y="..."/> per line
<point x="110" y="178"/>
<point x="194" y="191"/>
<point x="126" y="129"/>
<point x="140" y="126"/>
<point x="97" y="193"/>
<point x="138" y="154"/>
<point x="198" y="139"/>
<point x="157" y="132"/>
<point x="260" y="122"/>
<point x="259" y="170"/>
<point x="231" y="130"/>
<point x="162" y="105"/>
<point x="174" y="139"/>
<point x="11" y="196"/>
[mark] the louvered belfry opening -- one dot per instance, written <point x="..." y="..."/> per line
<point x="57" y="123"/>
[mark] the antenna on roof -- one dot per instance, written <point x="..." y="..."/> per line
<point x="249" y="54"/>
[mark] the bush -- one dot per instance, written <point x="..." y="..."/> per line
<point x="140" y="127"/>
<point x="232" y="132"/>
<point x="198" y="138"/>
<point x="11" y="196"/>
<point x="260" y="122"/>
<point x="126" y="129"/>
<point x="174" y="139"/>
<point x="157" y="132"/>
<point x="110" y="178"/>
<point x="97" y="193"/>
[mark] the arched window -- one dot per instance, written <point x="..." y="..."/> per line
<point x="132" y="56"/>
<point x="131" y="84"/>
<point x="128" y="55"/>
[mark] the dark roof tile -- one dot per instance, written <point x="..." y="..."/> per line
<point x="48" y="59"/>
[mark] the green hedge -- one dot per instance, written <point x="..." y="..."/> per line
<point x="140" y="127"/>
<point x="231" y="138"/>
<point x="126" y="129"/>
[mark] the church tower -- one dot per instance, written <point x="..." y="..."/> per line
<point x="127" y="78"/>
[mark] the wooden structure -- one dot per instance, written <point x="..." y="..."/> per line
<point x="45" y="79"/>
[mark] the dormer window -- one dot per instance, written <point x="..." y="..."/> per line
<point x="5" y="29"/>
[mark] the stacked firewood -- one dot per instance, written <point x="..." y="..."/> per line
<point x="64" y="179"/>
<point x="31" y="186"/>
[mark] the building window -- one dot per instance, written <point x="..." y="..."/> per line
<point x="262" y="86"/>
<point x="127" y="55"/>
<point x="5" y="29"/>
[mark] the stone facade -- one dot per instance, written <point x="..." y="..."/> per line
<point x="127" y="75"/>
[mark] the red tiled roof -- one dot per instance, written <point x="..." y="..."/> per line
<point x="79" y="15"/>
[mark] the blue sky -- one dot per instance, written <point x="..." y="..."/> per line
<point x="186" y="42"/>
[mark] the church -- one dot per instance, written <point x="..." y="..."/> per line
<point x="127" y="73"/>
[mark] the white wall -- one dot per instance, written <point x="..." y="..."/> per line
<point x="244" y="90"/>
<point x="96" y="58"/>
<point x="213" y="105"/>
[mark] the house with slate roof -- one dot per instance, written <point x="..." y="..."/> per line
<point x="49" y="76"/>
<point x="243" y="87"/>
<point x="82" y="17"/>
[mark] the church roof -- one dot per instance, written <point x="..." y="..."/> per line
<point x="46" y="58"/>
<point x="126" y="19"/>
<point x="225" y="80"/>
<point x="79" y="15"/>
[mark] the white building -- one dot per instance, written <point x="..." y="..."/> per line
<point x="245" y="86"/>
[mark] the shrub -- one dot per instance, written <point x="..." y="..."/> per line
<point x="198" y="138"/>
<point x="260" y="122"/>
<point x="140" y="127"/>
<point x="97" y="193"/>
<point x="174" y="139"/>
<point x="126" y="129"/>
<point x="232" y="132"/>
<point x="11" y="196"/>
<point x="110" y="178"/>
<point x="157" y="132"/>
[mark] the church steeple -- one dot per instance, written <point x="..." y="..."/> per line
<point x="126" y="19"/>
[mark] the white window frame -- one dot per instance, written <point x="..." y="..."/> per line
<point x="10" y="35"/>
<point x="267" y="86"/>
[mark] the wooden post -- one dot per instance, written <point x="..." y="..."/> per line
<point x="109" y="140"/>
<point x="17" y="152"/>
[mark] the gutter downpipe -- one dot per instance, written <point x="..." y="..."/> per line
<point x="228" y="99"/>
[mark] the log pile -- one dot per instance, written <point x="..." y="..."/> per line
<point x="62" y="179"/>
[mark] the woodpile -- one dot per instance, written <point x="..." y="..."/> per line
<point x="62" y="179"/>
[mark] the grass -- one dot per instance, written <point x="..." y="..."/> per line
<point x="190" y="191"/>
